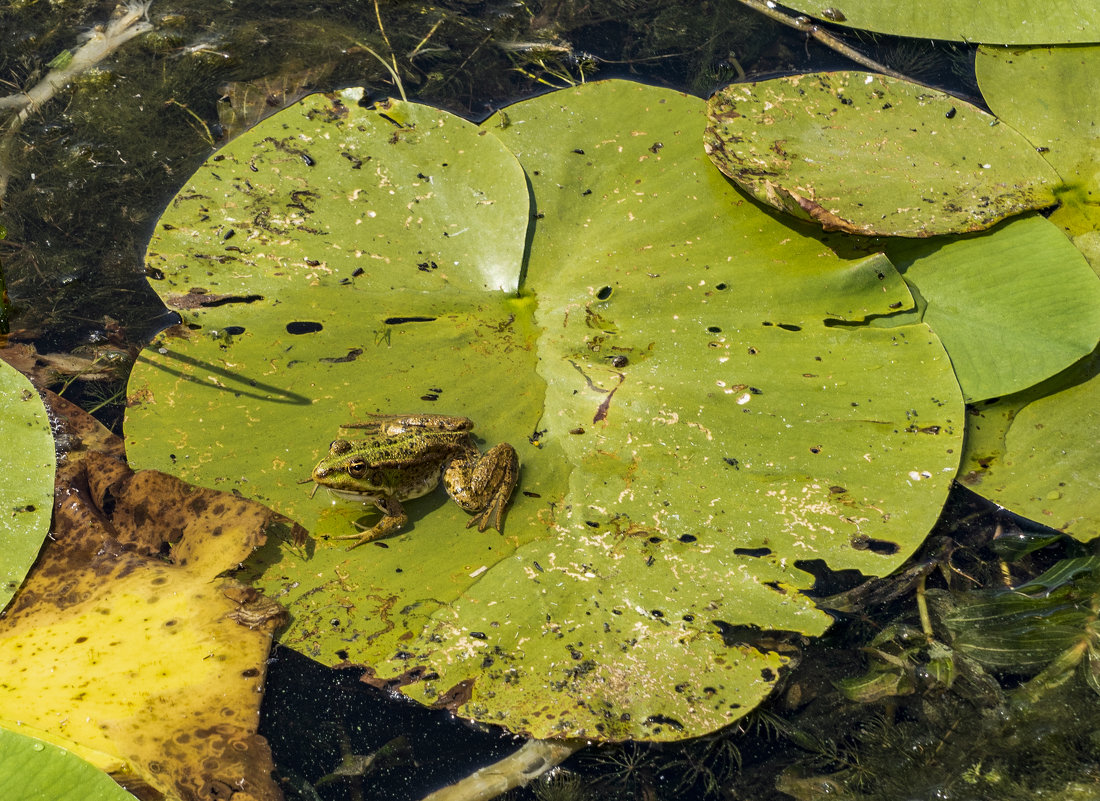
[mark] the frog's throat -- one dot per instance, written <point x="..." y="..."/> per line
<point x="350" y="495"/>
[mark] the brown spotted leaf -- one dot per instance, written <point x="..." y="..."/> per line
<point x="124" y="646"/>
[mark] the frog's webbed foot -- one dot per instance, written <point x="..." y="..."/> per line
<point x="393" y="519"/>
<point x="483" y="484"/>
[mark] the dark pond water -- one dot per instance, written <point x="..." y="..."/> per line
<point x="89" y="172"/>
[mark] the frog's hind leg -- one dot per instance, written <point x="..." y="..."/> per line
<point x="483" y="484"/>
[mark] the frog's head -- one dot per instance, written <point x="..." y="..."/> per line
<point x="347" y="472"/>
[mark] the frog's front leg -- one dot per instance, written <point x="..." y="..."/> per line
<point x="393" y="518"/>
<point x="483" y="484"/>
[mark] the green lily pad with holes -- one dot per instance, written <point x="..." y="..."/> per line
<point x="700" y="405"/>
<point x="26" y="478"/>
<point x="1020" y="291"/>
<point x="867" y="154"/>
<point x="1034" y="452"/>
<point x="1049" y="95"/>
<point x="33" y="770"/>
<point x="1010" y="22"/>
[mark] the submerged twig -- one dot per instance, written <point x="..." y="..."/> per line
<point x="98" y="44"/>
<point x="533" y="759"/>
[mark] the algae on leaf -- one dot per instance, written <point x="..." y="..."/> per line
<point x="696" y="394"/>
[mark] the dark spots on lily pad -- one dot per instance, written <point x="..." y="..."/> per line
<point x="404" y="320"/>
<point x="303" y="327"/>
<point x="753" y="552"/>
<point x="664" y="720"/>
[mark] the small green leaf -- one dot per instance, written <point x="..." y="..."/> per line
<point x="1020" y="291"/>
<point x="1034" y="452"/>
<point x="1062" y="573"/>
<point x="880" y="682"/>
<point x="26" y="478"/>
<point x="33" y="770"/>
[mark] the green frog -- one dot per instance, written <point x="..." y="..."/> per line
<point x="404" y="456"/>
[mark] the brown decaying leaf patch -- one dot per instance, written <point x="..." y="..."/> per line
<point x="124" y="642"/>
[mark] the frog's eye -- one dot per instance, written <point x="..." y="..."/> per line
<point x="339" y="446"/>
<point x="357" y="468"/>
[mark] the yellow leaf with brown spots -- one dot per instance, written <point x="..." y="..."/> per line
<point x="125" y="646"/>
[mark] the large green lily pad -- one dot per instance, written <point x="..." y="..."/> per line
<point x="26" y="478"/>
<point x="868" y="154"/>
<point x="697" y="398"/>
<point x="1011" y="22"/>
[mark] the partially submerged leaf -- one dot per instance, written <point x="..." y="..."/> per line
<point x="131" y="658"/>
<point x="868" y="154"/>
<point x="1024" y="633"/>
<point x="694" y="390"/>
<point x="26" y="478"/>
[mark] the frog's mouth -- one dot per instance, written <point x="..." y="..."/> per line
<point x="349" y="495"/>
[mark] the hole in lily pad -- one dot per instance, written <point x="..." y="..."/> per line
<point x="403" y="320"/>
<point x="874" y="546"/>
<point x="752" y="551"/>
<point x="303" y="327"/>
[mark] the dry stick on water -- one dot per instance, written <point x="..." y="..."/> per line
<point x="808" y="26"/>
<point x="99" y="43"/>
